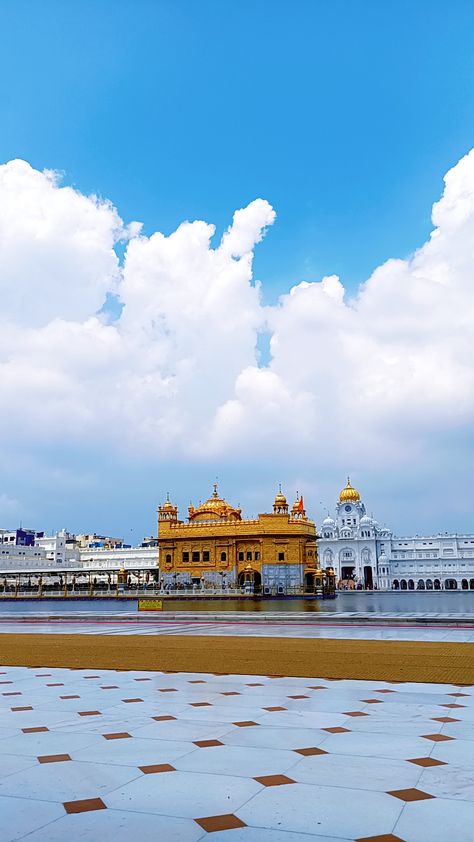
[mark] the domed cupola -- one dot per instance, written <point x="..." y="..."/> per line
<point x="366" y="521"/>
<point x="168" y="511"/>
<point x="280" y="505"/>
<point x="214" y="509"/>
<point x="349" y="494"/>
<point x="298" y="509"/>
<point x="329" y="522"/>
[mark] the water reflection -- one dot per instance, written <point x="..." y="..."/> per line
<point x="440" y="602"/>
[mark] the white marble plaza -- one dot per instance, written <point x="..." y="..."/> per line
<point x="182" y="757"/>
<point x="318" y="630"/>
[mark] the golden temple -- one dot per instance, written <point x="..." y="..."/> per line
<point x="215" y="547"/>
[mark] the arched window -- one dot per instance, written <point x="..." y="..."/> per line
<point x="411" y="585"/>
<point x="168" y="558"/>
<point x="366" y="555"/>
<point x="395" y="584"/>
<point x="421" y="585"/>
<point x="465" y="585"/>
<point x="328" y="557"/>
<point x="403" y="585"/>
<point x="223" y="556"/>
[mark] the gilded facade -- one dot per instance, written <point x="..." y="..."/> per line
<point x="216" y="547"/>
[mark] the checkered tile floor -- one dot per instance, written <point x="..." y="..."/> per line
<point x="182" y="757"/>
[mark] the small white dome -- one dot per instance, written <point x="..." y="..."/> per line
<point x="366" y="521"/>
<point x="328" y="521"/>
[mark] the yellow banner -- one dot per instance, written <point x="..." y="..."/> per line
<point x="150" y="605"/>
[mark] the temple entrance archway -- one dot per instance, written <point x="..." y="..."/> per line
<point x="368" y="578"/>
<point x="250" y="580"/>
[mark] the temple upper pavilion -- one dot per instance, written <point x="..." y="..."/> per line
<point x="216" y="547"/>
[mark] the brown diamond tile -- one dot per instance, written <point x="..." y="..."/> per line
<point x="277" y="707"/>
<point x="299" y="697"/>
<point x="245" y="723"/>
<point x="354" y="713"/>
<point x="437" y="738"/>
<point x="317" y="687"/>
<point x="247" y="685"/>
<point x="39" y="729"/>
<point x="207" y="743"/>
<point x="91" y="676"/>
<point x="197" y="681"/>
<point x="453" y="705"/>
<point x="231" y="693"/>
<point x="129" y="701"/>
<point x="228" y="821"/>
<point x="274" y="780"/>
<point x="142" y="679"/>
<point x="53" y="758"/>
<point x="310" y="751"/>
<point x="458" y="694"/>
<point x="6" y="682"/>
<point x="167" y="690"/>
<point x="163" y="718"/>
<point x="385" y="690"/>
<point x="69" y="697"/>
<point x="159" y="767"/>
<point x="26" y="707"/>
<point x="385" y="837"/>
<point x="84" y="806"/>
<point x="444" y="719"/>
<point x="427" y="761"/>
<point x="120" y="735"/>
<point x="336" y="730"/>
<point x="43" y="675"/>
<point x="372" y="701"/>
<point x="109" y="687"/>
<point x="201" y="704"/>
<point x="89" y="713"/>
<point x="410" y="794"/>
<point x="13" y="693"/>
<point x="57" y="684"/>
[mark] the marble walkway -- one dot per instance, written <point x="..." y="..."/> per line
<point x="233" y="758"/>
<point x="354" y="631"/>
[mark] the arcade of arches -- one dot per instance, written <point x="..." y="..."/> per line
<point x="432" y="584"/>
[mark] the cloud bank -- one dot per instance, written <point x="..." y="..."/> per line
<point x="371" y="381"/>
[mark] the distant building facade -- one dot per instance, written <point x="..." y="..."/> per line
<point x="364" y="554"/>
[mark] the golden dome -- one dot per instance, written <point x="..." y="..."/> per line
<point x="167" y="505"/>
<point x="215" y="508"/>
<point x="280" y="499"/>
<point x="349" y="494"/>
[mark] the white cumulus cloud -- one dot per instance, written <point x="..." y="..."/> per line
<point x="369" y="380"/>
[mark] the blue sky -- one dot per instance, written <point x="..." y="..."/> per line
<point x="343" y="115"/>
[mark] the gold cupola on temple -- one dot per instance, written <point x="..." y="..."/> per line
<point x="349" y="494"/>
<point x="214" y="509"/>
<point x="280" y="505"/>
<point x="298" y="509"/>
<point x="168" y="511"/>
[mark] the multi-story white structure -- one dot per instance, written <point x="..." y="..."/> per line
<point x="365" y="554"/>
<point x="122" y="557"/>
<point x="58" y="548"/>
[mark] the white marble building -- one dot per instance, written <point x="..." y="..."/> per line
<point x="365" y="554"/>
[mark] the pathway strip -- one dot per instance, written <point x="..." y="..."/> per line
<point x="418" y="661"/>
